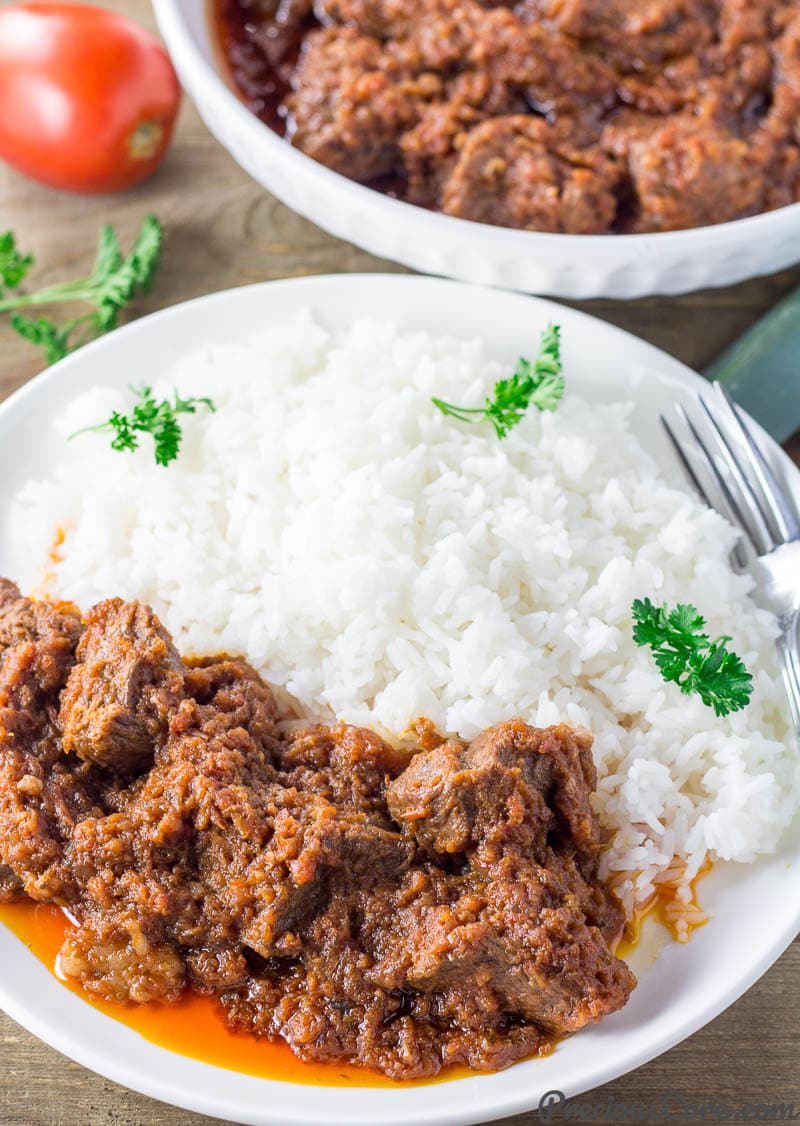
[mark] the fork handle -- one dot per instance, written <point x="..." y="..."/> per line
<point x="789" y="650"/>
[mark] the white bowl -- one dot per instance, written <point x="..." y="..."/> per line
<point x="575" y="266"/>
<point x="755" y="910"/>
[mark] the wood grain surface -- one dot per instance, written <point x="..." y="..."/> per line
<point x="223" y="230"/>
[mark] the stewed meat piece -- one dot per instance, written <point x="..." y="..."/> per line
<point x="234" y="696"/>
<point x="25" y="620"/>
<point x="116" y="704"/>
<point x="349" y="106"/>
<point x="636" y="33"/>
<point x="514" y="782"/>
<point x="37" y="647"/>
<point x="348" y="766"/>
<point x="686" y="172"/>
<point x="315" y="856"/>
<point x="560" y="81"/>
<point x="518" y="171"/>
<point x="399" y="19"/>
<point x="41" y="799"/>
<point x="517" y="935"/>
<point x="530" y="920"/>
<point x="431" y="148"/>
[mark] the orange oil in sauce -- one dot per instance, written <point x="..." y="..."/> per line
<point x="659" y="915"/>
<point x="195" y="1026"/>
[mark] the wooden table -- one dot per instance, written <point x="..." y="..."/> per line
<point x="223" y="230"/>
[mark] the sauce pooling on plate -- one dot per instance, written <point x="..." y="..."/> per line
<point x="195" y="1026"/>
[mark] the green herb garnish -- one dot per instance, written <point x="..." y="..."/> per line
<point x="687" y="656"/>
<point x="114" y="281"/>
<point x="149" y="417"/>
<point x="539" y="384"/>
<point x="13" y="264"/>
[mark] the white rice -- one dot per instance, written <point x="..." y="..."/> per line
<point x="379" y="561"/>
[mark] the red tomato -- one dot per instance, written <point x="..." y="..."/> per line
<point x="88" y="99"/>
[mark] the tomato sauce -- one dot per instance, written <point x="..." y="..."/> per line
<point x="195" y="1026"/>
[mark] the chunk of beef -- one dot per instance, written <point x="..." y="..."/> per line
<point x="348" y="766"/>
<point x="151" y="860"/>
<point x="116" y="959"/>
<point x="431" y="148"/>
<point x="517" y="801"/>
<point x="231" y="694"/>
<point x="634" y="33"/>
<point x="526" y="922"/>
<point x="37" y="647"/>
<point x="10" y="885"/>
<point x="41" y="799"/>
<point x="314" y="856"/>
<point x="686" y="172"/>
<point x="25" y="619"/>
<point x="115" y="708"/>
<point x="349" y="104"/>
<point x="283" y="842"/>
<point x="450" y="21"/>
<point x="560" y="81"/>
<point x="518" y="935"/>
<point x="401" y="19"/>
<point x="518" y="171"/>
<point x="785" y="101"/>
<point x="514" y="783"/>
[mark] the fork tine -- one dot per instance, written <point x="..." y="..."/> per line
<point x="739" y="554"/>
<point x="756" y="509"/>
<point x="782" y="509"/>
<point x="734" y="510"/>
<point x="687" y="465"/>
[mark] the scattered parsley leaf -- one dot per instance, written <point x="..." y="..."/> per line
<point x="41" y="331"/>
<point x="108" y="258"/>
<point x="13" y="264"/>
<point x="686" y="655"/>
<point x="115" y="280"/>
<point x="150" y="416"/>
<point x="539" y="384"/>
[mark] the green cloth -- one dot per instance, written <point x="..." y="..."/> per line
<point x="762" y="369"/>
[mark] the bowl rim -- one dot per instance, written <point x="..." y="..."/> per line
<point x="191" y="59"/>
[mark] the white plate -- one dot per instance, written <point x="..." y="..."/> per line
<point x="756" y="910"/>
<point x="534" y="262"/>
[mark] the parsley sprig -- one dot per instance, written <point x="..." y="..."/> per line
<point x="686" y="655"/>
<point x="113" y="282"/>
<point x="149" y="416"/>
<point x="539" y="384"/>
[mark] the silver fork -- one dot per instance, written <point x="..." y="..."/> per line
<point x="729" y="469"/>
